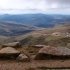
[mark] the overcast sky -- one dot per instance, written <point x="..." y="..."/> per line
<point x="34" y="6"/>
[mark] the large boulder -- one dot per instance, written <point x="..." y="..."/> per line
<point x="23" y="57"/>
<point x="53" y="53"/>
<point x="13" y="44"/>
<point x="9" y="52"/>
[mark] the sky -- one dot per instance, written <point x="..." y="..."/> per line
<point x="34" y="6"/>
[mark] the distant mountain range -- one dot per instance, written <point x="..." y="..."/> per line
<point x="15" y="25"/>
<point x="39" y="20"/>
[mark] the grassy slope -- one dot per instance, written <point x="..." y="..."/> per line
<point x="44" y="36"/>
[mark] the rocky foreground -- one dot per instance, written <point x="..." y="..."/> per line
<point x="9" y="52"/>
<point x="13" y="65"/>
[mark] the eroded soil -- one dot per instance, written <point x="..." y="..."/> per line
<point x="15" y="65"/>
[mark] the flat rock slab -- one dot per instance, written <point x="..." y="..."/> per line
<point x="13" y="44"/>
<point x="58" y="51"/>
<point x="9" y="52"/>
<point x="53" y="53"/>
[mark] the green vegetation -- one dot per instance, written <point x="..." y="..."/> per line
<point x="41" y="40"/>
<point x="46" y="40"/>
<point x="60" y="42"/>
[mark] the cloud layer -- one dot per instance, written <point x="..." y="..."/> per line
<point x="35" y="6"/>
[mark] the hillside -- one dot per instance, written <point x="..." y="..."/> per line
<point x="10" y="28"/>
<point x="39" y="20"/>
<point x="45" y="37"/>
<point x="32" y="29"/>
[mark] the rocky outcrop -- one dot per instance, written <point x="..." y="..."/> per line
<point x="53" y="53"/>
<point x="9" y="52"/>
<point x="23" y="57"/>
<point x="13" y="44"/>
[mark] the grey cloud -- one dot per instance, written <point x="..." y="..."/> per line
<point x="36" y="6"/>
<point x="58" y="1"/>
<point x="61" y="3"/>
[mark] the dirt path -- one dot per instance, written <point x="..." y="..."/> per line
<point x="13" y="65"/>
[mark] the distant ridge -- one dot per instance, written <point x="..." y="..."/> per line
<point x="39" y="20"/>
<point x="11" y="28"/>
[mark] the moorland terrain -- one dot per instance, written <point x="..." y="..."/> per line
<point x="31" y="30"/>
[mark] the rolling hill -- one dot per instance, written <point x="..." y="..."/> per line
<point x="10" y="28"/>
<point x="39" y="20"/>
<point x="44" y="37"/>
<point x="32" y="29"/>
